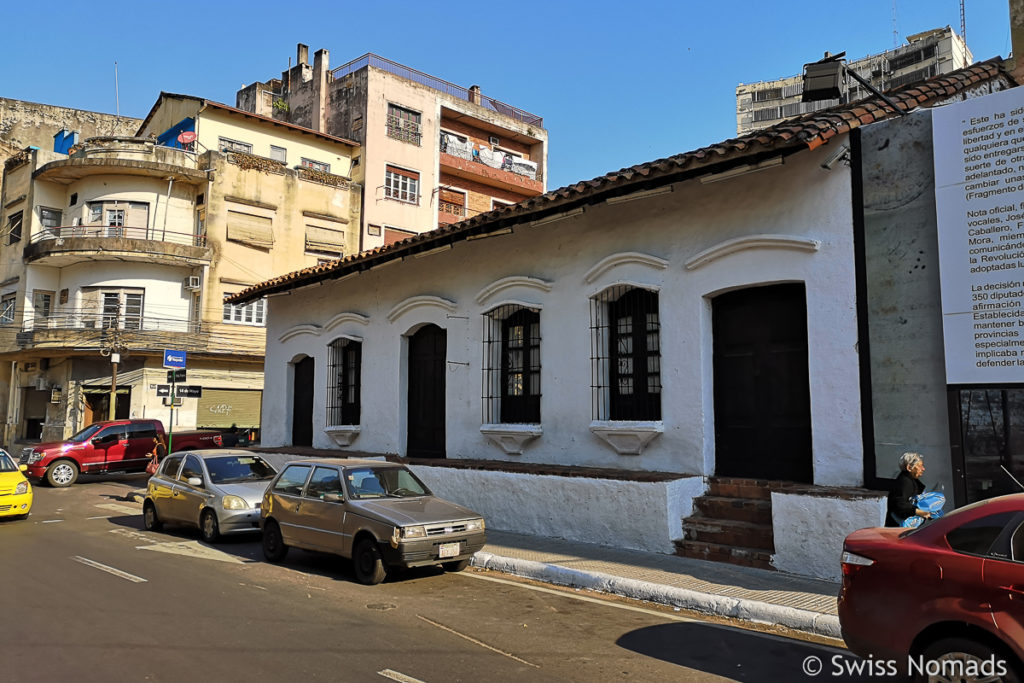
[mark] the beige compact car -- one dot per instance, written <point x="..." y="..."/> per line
<point x="376" y="513"/>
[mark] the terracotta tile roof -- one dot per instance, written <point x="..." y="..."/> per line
<point x="807" y="131"/>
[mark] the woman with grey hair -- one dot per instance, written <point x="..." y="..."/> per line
<point x="907" y="485"/>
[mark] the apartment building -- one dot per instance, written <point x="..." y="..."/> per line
<point x="122" y="247"/>
<point x="433" y="153"/>
<point x="927" y="54"/>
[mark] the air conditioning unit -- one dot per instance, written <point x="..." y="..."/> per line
<point x="192" y="282"/>
<point x="494" y="141"/>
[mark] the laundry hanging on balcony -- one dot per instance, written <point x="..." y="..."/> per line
<point x="451" y="144"/>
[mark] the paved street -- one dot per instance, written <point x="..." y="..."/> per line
<point x="88" y="595"/>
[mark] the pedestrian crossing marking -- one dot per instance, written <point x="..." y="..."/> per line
<point x="114" y="507"/>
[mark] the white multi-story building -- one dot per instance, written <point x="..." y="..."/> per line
<point x="927" y="54"/>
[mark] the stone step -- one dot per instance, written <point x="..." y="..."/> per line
<point x="716" y="552"/>
<point x="729" y="532"/>
<point x="732" y="487"/>
<point x="734" y="509"/>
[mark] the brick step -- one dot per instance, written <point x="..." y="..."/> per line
<point x="716" y="552"/>
<point x="729" y="532"/>
<point x="734" y="509"/>
<point x="734" y="487"/>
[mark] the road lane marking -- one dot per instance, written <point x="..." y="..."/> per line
<point x="398" y="676"/>
<point x="51" y="521"/>
<point x="476" y="642"/>
<point x="110" y="570"/>
<point x="101" y="517"/>
<point x="115" y="507"/>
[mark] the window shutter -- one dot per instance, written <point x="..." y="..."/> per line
<point x="249" y="229"/>
<point x="325" y="239"/>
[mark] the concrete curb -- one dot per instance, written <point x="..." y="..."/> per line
<point x="685" y="598"/>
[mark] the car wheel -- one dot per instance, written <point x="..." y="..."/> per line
<point x="274" y="548"/>
<point x="456" y="566"/>
<point x="149" y="517"/>
<point x="61" y="474"/>
<point x="209" y="527"/>
<point x="951" y="655"/>
<point x="368" y="564"/>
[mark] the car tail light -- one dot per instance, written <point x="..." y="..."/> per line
<point x="218" y="439"/>
<point x="853" y="563"/>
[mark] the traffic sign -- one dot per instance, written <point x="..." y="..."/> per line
<point x="174" y="359"/>
<point x="176" y="375"/>
<point x="188" y="391"/>
<point x="163" y="389"/>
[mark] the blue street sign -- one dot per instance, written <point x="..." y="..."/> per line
<point x="174" y="359"/>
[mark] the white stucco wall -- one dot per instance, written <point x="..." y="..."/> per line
<point x="622" y="514"/>
<point x="809" y="530"/>
<point x="799" y="200"/>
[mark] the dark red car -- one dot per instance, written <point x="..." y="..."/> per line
<point x="947" y="594"/>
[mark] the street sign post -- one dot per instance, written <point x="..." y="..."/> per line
<point x="174" y="359"/>
<point x="163" y="389"/>
<point x="176" y="375"/>
<point x="188" y="391"/>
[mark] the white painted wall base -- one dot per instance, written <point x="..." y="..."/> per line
<point x="622" y="514"/>
<point x="809" y="530"/>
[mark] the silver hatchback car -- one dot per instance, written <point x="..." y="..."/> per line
<point x="376" y="513"/>
<point x="217" y="490"/>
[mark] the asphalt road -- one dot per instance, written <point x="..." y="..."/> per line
<point x="88" y="595"/>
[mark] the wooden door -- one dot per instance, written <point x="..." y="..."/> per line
<point x="427" y="350"/>
<point x="302" y="403"/>
<point x="761" y="385"/>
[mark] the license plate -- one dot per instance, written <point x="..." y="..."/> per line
<point x="448" y="550"/>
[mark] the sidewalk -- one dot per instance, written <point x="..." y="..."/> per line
<point x="714" y="588"/>
<point x="725" y="590"/>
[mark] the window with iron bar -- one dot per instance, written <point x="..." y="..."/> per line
<point x="344" y="372"/>
<point x="626" y="354"/>
<point x="511" y="365"/>
<point x="404" y="124"/>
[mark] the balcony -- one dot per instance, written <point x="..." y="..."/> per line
<point x="93" y="331"/>
<point x="124" y="156"/>
<point x="448" y="212"/>
<point x="67" y="245"/>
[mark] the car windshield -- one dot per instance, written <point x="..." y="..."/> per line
<point x="85" y="434"/>
<point x="230" y="469"/>
<point x="7" y="463"/>
<point x="383" y="482"/>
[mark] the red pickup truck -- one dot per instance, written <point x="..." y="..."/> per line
<point x="115" y="446"/>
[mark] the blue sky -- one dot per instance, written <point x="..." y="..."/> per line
<point x="618" y="83"/>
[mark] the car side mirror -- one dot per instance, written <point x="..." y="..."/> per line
<point x="334" y="498"/>
<point x="195" y="481"/>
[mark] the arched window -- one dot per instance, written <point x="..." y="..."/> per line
<point x="512" y="365"/>
<point x="343" y="372"/>
<point x="627" y="354"/>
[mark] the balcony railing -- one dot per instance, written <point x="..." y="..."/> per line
<point x="458" y="91"/>
<point x="406" y="131"/>
<point x="116" y="232"/>
<point x="69" y="331"/>
<point x="453" y="209"/>
<point x="465" y="149"/>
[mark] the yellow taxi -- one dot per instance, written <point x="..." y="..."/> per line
<point x="15" y="491"/>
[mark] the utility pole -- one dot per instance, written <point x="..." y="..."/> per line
<point x="113" y="346"/>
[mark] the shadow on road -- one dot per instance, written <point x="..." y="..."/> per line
<point x="247" y="547"/>
<point x="741" y="655"/>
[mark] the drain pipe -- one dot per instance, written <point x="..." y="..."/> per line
<point x="167" y="206"/>
<point x="9" y="427"/>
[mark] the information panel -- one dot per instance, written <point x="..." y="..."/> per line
<point x="979" y="199"/>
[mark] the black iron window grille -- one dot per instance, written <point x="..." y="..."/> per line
<point x="625" y="354"/>
<point x="344" y="369"/>
<point x="404" y="124"/>
<point x="511" y="365"/>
